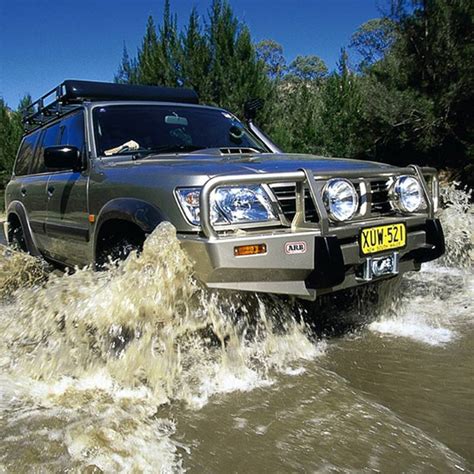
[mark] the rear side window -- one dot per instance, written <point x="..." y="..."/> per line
<point x="25" y="154"/>
<point x="50" y="138"/>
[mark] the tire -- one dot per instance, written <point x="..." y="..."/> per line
<point x="117" y="250"/>
<point x="17" y="239"/>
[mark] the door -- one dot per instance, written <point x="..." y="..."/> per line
<point x="67" y="224"/>
<point x="32" y="182"/>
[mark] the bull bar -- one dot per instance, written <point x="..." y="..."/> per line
<point x="332" y="260"/>
<point x="315" y="183"/>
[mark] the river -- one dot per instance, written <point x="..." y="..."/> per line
<point x="139" y="369"/>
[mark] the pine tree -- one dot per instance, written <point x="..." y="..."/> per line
<point x="11" y="131"/>
<point x="341" y="111"/>
<point x="149" y="71"/>
<point x="169" y="49"/>
<point x="195" y="59"/>
<point x="127" y="73"/>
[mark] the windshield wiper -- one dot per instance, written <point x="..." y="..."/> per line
<point x="166" y="149"/>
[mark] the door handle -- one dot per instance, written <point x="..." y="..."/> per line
<point x="23" y="192"/>
<point x="50" y="190"/>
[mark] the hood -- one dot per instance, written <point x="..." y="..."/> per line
<point x="213" y="165"/>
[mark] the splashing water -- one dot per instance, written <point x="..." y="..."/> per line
<point x="413" y="311"/>
<point x="457" y="216"/>
<point x="143" y="332"/>
<point x="19" y="269"/>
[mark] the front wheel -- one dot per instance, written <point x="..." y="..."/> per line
<point x="117" y="250"/>
<point x="17" y="238"/>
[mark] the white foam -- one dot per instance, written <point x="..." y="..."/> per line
<point x="294" y="371"/>
<point x="417" y="330"/>
<point x="224" y="380"/>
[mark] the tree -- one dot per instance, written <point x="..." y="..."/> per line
<point x="11" y="131"/>
<point x="127" y="73"/>
<point x="341" y="111"/>
<point x="308" y="68"/>
<point x="169" y="47"/>
<point x="195" y="58"/>
<point x="435" y="50"/>
<point x="372" y="40"/>
<point x="149" y="62"/>
<point x="425" y="80"/>
<point x="271" y="53"/>
<point x="218" y="58"/>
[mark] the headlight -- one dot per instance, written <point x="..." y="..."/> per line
<point x="408" y="194"/>
<point x="341" y="199"/>
<point x="230" y="205"/>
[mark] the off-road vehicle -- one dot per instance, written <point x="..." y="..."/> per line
<point x="101" y="165"/>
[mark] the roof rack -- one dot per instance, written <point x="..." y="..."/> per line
<point x="71" y="93"/>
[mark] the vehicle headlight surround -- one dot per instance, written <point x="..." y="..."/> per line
<point x="341" y="199"/>
<point x="230" y="205"/>
<point x="408" y="194"/>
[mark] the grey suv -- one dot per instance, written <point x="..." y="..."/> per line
<point x="101" y="165"/>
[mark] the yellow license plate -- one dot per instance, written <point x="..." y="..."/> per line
<point x="384" y="237"/>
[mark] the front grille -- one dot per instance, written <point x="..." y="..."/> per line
<point x="286" y="196"/>
<point x="380" y="201"/>
<point x="380" y="204"/>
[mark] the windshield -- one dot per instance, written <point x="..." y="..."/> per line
<point x="129" y="129"/>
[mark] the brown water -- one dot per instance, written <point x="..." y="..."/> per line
<point x="140" y="369"/>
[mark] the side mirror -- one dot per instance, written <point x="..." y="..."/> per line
<point x="63" y="157"/>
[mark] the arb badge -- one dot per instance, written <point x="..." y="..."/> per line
<point x="292" y="248"/>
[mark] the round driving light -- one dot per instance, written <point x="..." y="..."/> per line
<point x="408" y="194"/>
<point x="341" y="199"/>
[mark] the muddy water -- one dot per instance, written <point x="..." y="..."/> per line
<point x="140" y="369"/>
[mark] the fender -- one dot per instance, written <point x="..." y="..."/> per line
<point x="142" y="213"/>
<point x="18" y="209"/>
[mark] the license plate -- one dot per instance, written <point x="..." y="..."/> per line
<point x="381" y="238"/>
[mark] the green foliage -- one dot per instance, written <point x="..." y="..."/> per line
<point x="215" y="57"/>
<point x="307" y="68"/>
<point x="421" y="90"/>
<point x="271" y="53"/>
<point x="127" y="73"/>
<point x="341" y="111"/>
<point x="295" y="124"/>
<point x="372" y="40"/>
<point x="195" y="58"/>
<point x="10" y="136"/>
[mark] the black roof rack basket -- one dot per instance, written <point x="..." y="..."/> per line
<point x="71" y="93"/>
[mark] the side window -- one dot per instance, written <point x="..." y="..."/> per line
<point x="69" y="131"/>
<point x="50" y="138"/>
<point x="72" y="131"/>
<point x="25" y="154"/>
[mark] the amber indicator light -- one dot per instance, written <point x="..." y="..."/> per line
<point x="243" y="250"/>
<point x="91" y="218"/>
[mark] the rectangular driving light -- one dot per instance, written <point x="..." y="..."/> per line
<point x="243" y="250"/>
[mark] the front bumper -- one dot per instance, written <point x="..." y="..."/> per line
<point x="329" y="263"/>
<point x="331" y="259"/>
